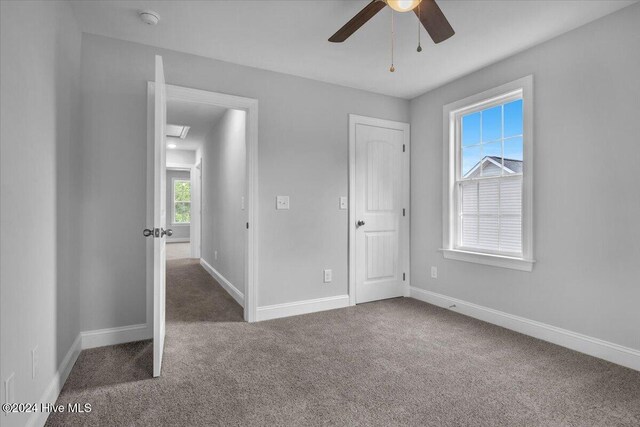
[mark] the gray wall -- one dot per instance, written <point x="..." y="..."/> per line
<point x="179" y="231"/>
<point x="224" y="185"/>
<point x="587" y="153"/>
<point x="303" y="147"/>
<point x="41" y="192"/>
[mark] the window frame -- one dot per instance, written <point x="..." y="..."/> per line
<point x="452" y="166"/>
<point x="173" y="200"/>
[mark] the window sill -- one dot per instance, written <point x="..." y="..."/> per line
<point x="489" y="259"/>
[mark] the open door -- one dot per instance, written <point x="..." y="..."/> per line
<point x="159" y="218"/>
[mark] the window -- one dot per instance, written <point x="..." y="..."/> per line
<point x="181" y="201"/>
<point x="488" y="172"/>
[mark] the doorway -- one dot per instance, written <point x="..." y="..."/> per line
<point x="249" y="109"/>
<point x="379" y="214"/>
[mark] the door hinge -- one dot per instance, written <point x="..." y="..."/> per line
<point x="404" y="276"/>
<point x="247" y="226"/>
<point x="403" y="148"/>
<point x="404" y="212"/>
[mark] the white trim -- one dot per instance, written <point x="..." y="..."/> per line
<point x="513" y="263"/>
<point x="302" y="307"/>
<point x="178" y="239"/>
<point x="405" y="242"/>
<point x="609" y="351"/>
<point x="178" y="93"/>
<point x="227" y="285"/>
<point x="52" y="391"/>
<point x="113" y="336"/>
<point x="522" y="87"/>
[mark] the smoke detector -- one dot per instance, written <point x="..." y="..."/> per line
<point x="149" y="17"/>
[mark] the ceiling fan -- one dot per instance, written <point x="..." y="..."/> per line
<point x="427" y="12"/>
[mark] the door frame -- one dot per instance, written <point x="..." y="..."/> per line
<point x="405" y="244"/>
<point x="250" y="106"/>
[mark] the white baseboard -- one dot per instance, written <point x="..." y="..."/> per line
<point x="113" y="336"/>
<point x="302" y="307"/>
<point x="52" y="391"/>
<point x="609" y="351"/>
<point x="179" y="240"/>
<point x="227" y="285"/>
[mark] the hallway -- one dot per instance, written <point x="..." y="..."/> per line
<point x="393" y="362"/>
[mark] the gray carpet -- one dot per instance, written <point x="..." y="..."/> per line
<point x="178" y="250"/>
<point x="393" y="362"/>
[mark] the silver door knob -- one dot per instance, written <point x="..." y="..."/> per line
<point x="360" y="223"/>
<point x="147" y="232"/>
<point x="168" y="232"/>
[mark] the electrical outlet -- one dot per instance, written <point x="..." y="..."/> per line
<point x="434" y="272"/>
<point x="242" y="203"/>
<point x="327" y="276"/>
<point x="343" y="202"/>
<point x="34" y="362"/>
<point x="282" y="202"/>
<point x="9" y="390"/>
<point x="215" y="255"/>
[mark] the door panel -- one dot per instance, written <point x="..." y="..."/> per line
<point x="159" y="217"/>
<point x="378" y="203"/>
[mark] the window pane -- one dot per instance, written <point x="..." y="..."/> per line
<point x="469" y="199"/>
<point x="469" y="228"/>
<point x="488" y="197"/>
<point x="513" y="155"/>
<point x="471" y="129"/>
<point x="513" y="118"/>
<point x="182" y="212"/>
<point x="511" y="196"/>
<point x="182" y="191"/>
<point x="511" y="234"/>
<point x="488" y="233"/>
<point x="492" y="153"/>
<point x="470" y="159"/>
<point x="492" y="124"/>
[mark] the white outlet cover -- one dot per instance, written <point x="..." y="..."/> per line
<point x="242" y="203"/>
<point x="9" y="390"/>
<point x="434" y="272"/>
<point x="327" y="276"/>
<point x="343" y="202"/>
<point x="282" y="202"/>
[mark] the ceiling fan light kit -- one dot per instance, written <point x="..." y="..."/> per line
<point x="427" y="11"/>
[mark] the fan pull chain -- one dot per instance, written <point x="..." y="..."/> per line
<point x="392" y="69"/>
<point x="419" y="49"/>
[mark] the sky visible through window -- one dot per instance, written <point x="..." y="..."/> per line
<point x="495" y="131"/>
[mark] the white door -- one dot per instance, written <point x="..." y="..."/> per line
<point x="159" y="217"/>
<point x="381" y="208"/>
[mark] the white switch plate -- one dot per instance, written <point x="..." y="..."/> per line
<point x="327" y="276"/>
<point x="343" y="202"/>
<point x="282" y="202"/>
<point x="34" y="362"/>
<point x="242" y="203"/>
<point x="434" y="272"/>
<point x="215" y="255"/>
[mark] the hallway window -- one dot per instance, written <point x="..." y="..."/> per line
<point x="181" y="201"/>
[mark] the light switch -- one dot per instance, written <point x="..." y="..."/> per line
<point x="343" y="202"/>
<point x="282" y="202"/>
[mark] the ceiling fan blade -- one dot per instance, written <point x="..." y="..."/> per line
<point x="434" y="21"/>
<point x="358" y="21"/>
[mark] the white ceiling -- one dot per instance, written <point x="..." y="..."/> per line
<point x="201" y="118"/>
<point x="291" y="36"/>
